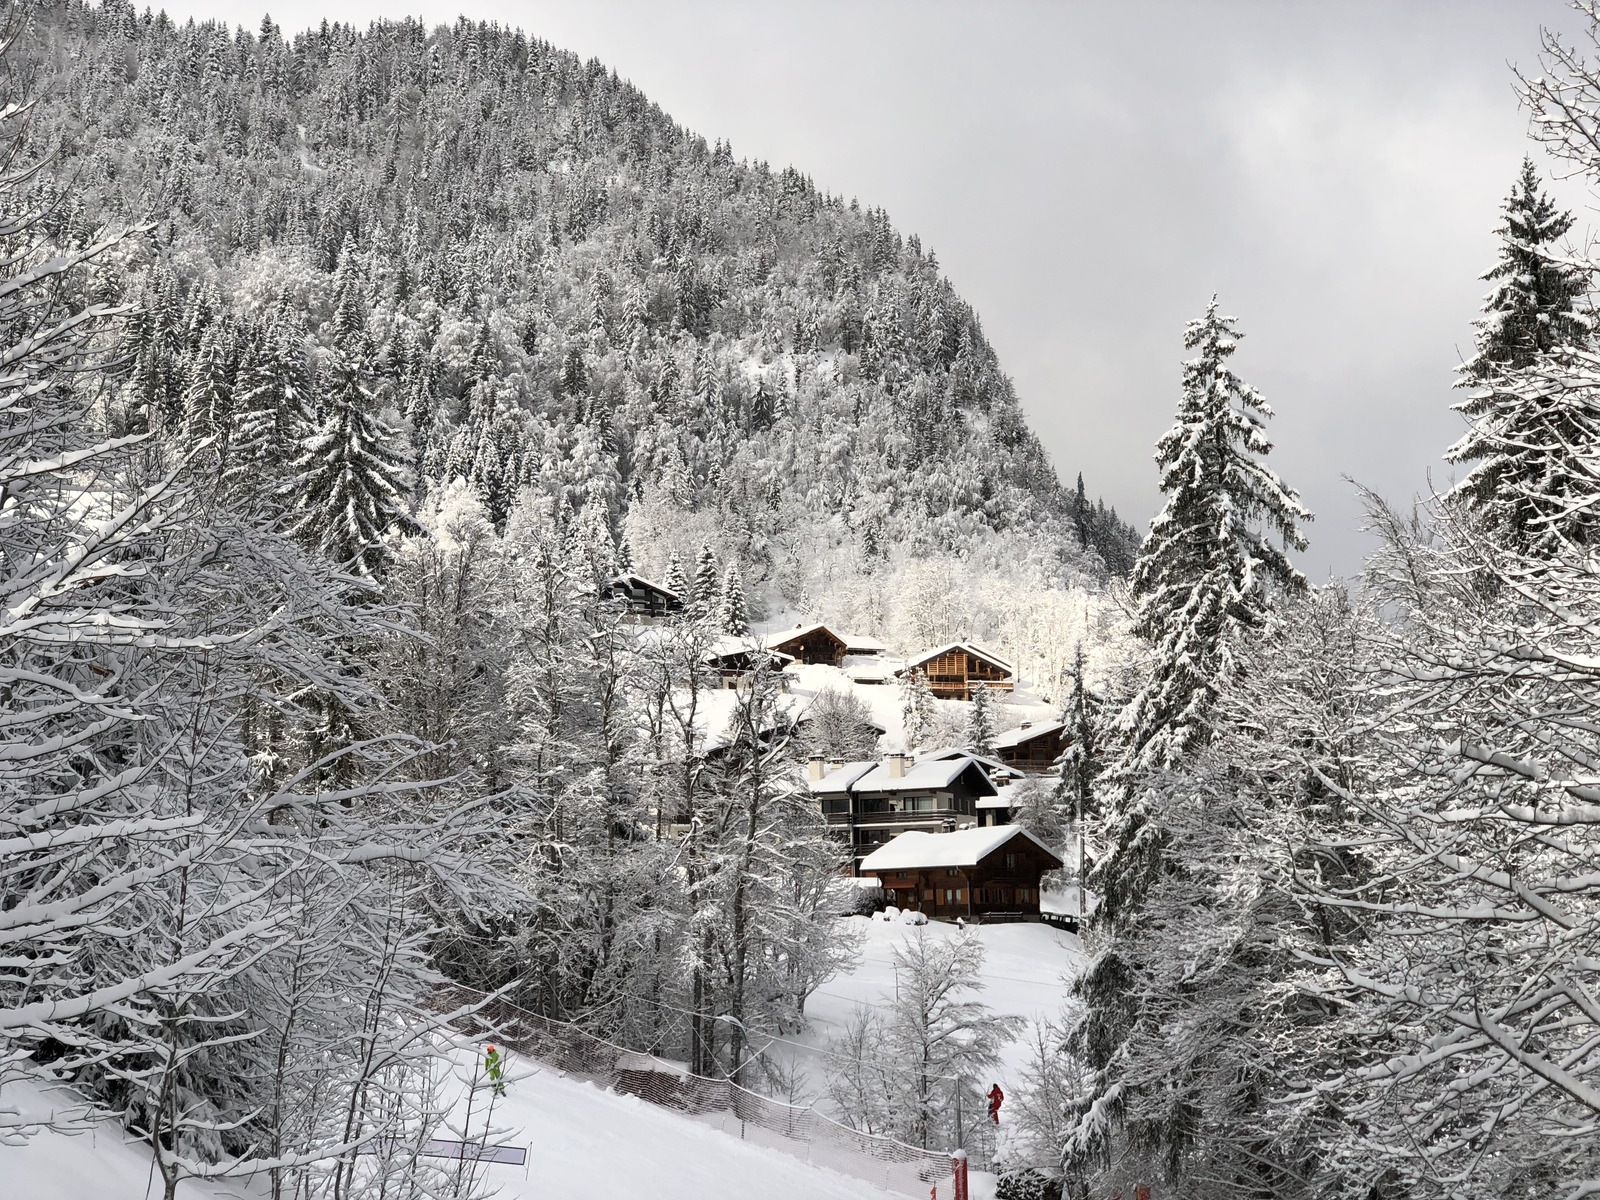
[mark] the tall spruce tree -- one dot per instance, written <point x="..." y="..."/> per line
<point x="704" y="603"/>
<point x="981" y="721"/>
<point x="351" y="474"/>
<point x="1532" y="401"/>
<point x="1202" y="581"/>
<point x="733" y="616"/>
<point x="676" y="581"/>
<point x="1536" y="304"/>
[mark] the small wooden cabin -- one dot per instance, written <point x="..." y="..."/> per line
<point x="953" y="671"/>
<point x="970" y="873"/>
<point x="810" y="644"/>
<point x="735" y="659"/>
<point x="643" y="600"/>
<point x="1032" y="747"/>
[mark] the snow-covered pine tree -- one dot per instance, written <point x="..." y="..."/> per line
<point x="1537" y="302"/>
<point x="274" y="412"/>
<point x="1079" y="763"/>
<point x="1203" y="582"/>
<point x="704" y="602"/>
<point x="352" y="475"/>
<point x="918" y="710"/>
<point x="676" y="581"/>
<point x="1533" y="381"/>
<point x="981" y="729"/>
<point x="1192" y="1029"/>
<point x="732" y="613"/>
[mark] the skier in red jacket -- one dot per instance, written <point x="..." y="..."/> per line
<point x="996" y="1096"/>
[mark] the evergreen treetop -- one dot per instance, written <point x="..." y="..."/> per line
<point x="733" y="616"/>
<point x="1206" y="569"/>
<point x="1532" y="406"/>
<point x="1535" y="303"/>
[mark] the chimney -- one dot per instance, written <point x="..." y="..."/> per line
<point x="1026" y="725"/>
<point x="897" y="766"/>
<point x="814" y="768"/>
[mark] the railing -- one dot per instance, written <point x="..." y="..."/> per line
<point x="720" y="1103"/>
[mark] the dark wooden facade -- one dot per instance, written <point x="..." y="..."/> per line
<point x="644" y="601"/>
<point x="1004" y="881"/>
<point x="1033" y="748"/>
<point x="810" y="644"/>
<point x="954" y="671"/>
<point x="867" y="807"/>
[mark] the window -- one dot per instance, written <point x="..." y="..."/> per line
<point x="952" y="871"/>
<point x="1011" y="862"/>
<point x="836" y="807"/>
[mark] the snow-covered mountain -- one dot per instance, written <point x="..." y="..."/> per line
<point x="556" y="286"/>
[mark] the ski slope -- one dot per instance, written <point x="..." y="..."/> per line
<point x="588" y="1144"/>
<point x="583" y="1144"/>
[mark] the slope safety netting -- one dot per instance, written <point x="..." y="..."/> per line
<point x="720" y="1103"/>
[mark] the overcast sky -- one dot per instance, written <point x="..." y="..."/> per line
<point x="1089" y="174"/>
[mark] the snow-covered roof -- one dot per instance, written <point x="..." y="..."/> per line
<point x="994" y="801"/>
<point x="854" y="643"/>
<point x="639" y="581"/>
<point x="800" y="631"/>
<point x="976" y="652"/>
<point x="841" y="777"/>
<point x="963" y="848"/>
<point x="862" y="671"/>
<point x="726" y="647"/>
<point x="993" y="765"/>
<point x="1026" y="733"/>
<point x="922" y="775"/>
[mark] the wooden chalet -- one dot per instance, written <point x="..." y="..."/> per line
<point x="810" y="644"/>
<point x="953" y="671"/>
<point x="1032" y="747"/>
<point x="735" y="659"/>
<point x="971" y="873"/>
<point x="644" y="601"/>
<point x="868" y="804"/>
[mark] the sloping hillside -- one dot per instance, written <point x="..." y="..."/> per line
<point x="556" y="287"/>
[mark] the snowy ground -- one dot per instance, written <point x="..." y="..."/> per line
<point x="589" y="1144"/>
<point x="583" y="1144"/>
<point x="1026" y="972"/>
<point x="97" y="1164"/>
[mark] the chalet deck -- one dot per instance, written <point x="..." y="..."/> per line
<point x="643" y="601"/>
<point x="1033" y="747"/>
<point x="953" y="671"/>
<point x="868" y="804"/>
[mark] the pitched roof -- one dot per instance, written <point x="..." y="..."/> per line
<point x="639" y="581"/>
<point x="800" y="631"/>
<point x="993" y="765"/>
<point x="918" y="660"/>
<point x="730" y="645"/>
<point x="841" y="777"/>
<point x="922" y="775"/>
<point x="963" y="848"/>
<point x="1038" y="729"/>
<point x="857" y="644"/>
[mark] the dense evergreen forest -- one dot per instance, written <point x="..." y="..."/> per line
<point x="548" y="283"/>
